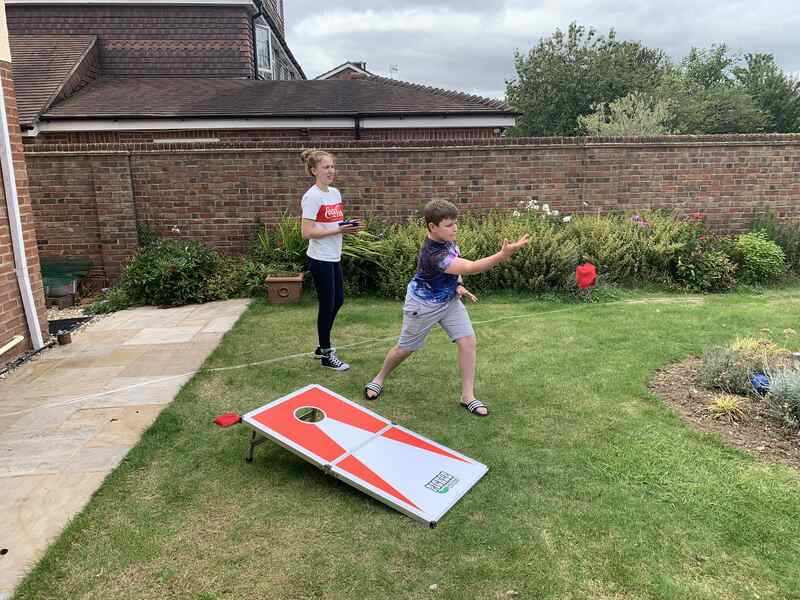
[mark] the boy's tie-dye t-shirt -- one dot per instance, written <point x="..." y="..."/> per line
<point x="430" y="282"/>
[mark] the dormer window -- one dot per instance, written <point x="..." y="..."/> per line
<point x="263" y="51"/>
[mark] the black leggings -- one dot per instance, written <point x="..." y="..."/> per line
<point x="329" y="284"/>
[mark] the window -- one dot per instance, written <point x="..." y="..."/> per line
<point x="263" y="51"/>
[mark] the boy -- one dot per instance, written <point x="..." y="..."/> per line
<point x="434" y="296"/>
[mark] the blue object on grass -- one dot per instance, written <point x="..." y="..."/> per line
<point x="760" y="383"/>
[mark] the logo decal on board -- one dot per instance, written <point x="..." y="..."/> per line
<point x="442" y="483"/>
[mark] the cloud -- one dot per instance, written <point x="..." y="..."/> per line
<point x="470" y="45"/>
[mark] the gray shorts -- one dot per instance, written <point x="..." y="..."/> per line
<point x="419" y="317"/>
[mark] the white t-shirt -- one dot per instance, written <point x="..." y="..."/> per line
<point x="326" y="209"/>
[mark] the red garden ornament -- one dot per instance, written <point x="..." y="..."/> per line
<point x="586" y="275"/>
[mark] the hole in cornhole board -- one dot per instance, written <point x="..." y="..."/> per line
<point x="309" y="414"/>
<point x="3" y="551"/>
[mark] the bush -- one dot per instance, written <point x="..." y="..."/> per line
<point x="170" y="273"/>
<point x="113" y="300"/>
<point x="236" y="277"/>
<point x="614" y="245"/>
<point x="398" y="261"/>
<point x="706" y="271"/>
<point x="784" y="393"/>
<point x="546" y="264"/>
<point x="760" y="259"/>
<point x="784" y="233"/>
<point x="282" y="249"/>
<point x="668" y="240"/>
<point x="728" y="370"/>
<point x="730" y="407"/>
<point x="362" y="257"/>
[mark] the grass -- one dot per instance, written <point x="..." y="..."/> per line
<point x="595" y="488"/>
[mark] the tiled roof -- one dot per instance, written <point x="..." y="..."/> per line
<point x="231" y="98"/>
<point x="41" y="66"/>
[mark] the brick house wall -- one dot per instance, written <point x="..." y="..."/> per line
<point x="219" y="193"/>
<point x="264" y="135"/>
<point x="12" y="313"/>
<point x="151" y="41"/>
<point x="275" y="10"/>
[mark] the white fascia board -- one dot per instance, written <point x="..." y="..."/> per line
<point x="182" y="124"/>
<point x="436" y="122"/>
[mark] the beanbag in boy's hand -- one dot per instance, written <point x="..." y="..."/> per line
<point x="586" y="275"/>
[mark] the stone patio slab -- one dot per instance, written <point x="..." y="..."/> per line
<point x="68" y="418"/>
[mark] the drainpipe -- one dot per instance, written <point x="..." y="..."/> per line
<point x="17" y="242"/>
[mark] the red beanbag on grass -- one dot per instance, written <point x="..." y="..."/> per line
<point x="586" y="275"/>
<point x="228" y="419"/>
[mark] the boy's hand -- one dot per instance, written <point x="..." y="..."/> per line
<point x="465" y="293"/>
<point x="511" y="248"/>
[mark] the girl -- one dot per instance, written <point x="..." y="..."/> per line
<point x="323" y="225"/>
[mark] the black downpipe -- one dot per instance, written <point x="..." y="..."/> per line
<point x="358" y="127"/>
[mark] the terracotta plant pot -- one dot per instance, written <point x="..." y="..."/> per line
<point x="283" y="289"/>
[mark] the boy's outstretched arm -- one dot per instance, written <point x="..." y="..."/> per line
<point x="462" y="266"/>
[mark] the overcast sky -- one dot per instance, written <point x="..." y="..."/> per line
<point x="469" y="45"/>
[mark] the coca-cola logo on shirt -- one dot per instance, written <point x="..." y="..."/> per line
<point x="330" y="213"/>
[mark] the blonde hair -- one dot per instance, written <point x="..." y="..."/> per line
<point x="312" y="158"/>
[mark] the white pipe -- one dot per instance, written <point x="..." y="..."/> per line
<point x="14" y="341"/>
<point x="14" y="221"/>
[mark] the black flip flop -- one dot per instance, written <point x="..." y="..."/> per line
<point x="473" y="407"/>
<point x="376" y="388"/>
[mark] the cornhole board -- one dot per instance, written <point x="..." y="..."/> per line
<point x="410" y="473"/>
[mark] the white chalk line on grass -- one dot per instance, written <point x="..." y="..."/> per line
<point x="66" y="402"/>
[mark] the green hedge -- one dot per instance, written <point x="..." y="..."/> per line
<point x="630" y="249"/>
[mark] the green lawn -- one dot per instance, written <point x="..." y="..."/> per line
<point x="595" y="488"/>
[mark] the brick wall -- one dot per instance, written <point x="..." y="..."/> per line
<point x="12" y="314"/>
<point x="151" y="41"/>
<point x="218" y="193"/>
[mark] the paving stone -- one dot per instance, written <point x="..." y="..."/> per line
<point x="35" y="509"/>
<point x="163" y="335"/>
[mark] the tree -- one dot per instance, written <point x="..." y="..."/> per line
<point x="566" y="74"/>
<point x="634" y="114"/>
<point x="776" y="93"/>
<point x="705" y="96"/>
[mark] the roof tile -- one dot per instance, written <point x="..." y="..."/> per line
<point x="196" y="97"/>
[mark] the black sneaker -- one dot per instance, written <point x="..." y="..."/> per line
<point x="331" y="361"/>
<point x="318" y="353"/>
